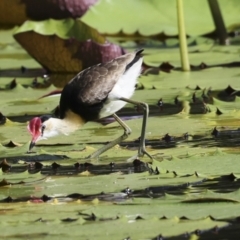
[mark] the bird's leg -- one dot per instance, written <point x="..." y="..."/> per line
<point x="127" y="132"/>
<point x="141" y="149"/>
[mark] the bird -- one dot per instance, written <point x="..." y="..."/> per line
<point x="94" y="93"/>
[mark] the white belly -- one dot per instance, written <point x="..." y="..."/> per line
<point x="124" y="88"/>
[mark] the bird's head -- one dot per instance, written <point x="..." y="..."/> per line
<point x="41" y="128"/>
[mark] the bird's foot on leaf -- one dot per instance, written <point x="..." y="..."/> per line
<point x="141" y="153"/>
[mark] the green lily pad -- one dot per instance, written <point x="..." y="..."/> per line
<point x="189" y="190"/>
<point x="156" y="17"/>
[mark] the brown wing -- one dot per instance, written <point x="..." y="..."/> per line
<point x="95" y="83"/>
<point x="88" y="89"/>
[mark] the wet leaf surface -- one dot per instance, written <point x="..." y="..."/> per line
<point x="191" y="188"/>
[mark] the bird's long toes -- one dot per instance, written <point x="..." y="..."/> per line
<point x="143" y="152"/>
<point x="146" y="153"/>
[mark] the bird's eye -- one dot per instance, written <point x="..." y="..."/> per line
<point x="42" y="128"/>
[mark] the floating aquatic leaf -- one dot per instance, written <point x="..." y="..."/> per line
<point x="190" y="189"/>
<point x="15" y="12"/>
<point x="63" y="44"/>
<point x="161" y="13"/>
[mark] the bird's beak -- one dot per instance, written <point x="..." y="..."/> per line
<point x="32" y="144"/>
<point x="35" y="138"/>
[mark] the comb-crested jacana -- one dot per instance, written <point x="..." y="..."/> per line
<point x="96" y="92"/>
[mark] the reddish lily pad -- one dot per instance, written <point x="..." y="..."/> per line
<point x="60" y="9"/>
<point x="15" y="12"/>
<point x="61" y="46"/>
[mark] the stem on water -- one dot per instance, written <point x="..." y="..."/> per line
<point x="182" y="37"/>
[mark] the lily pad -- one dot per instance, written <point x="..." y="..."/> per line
<point x="189" y="190"/>
<point x="15" y="12"/>
<point x="156" y="17"/>
<point x="63" y="44"/>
